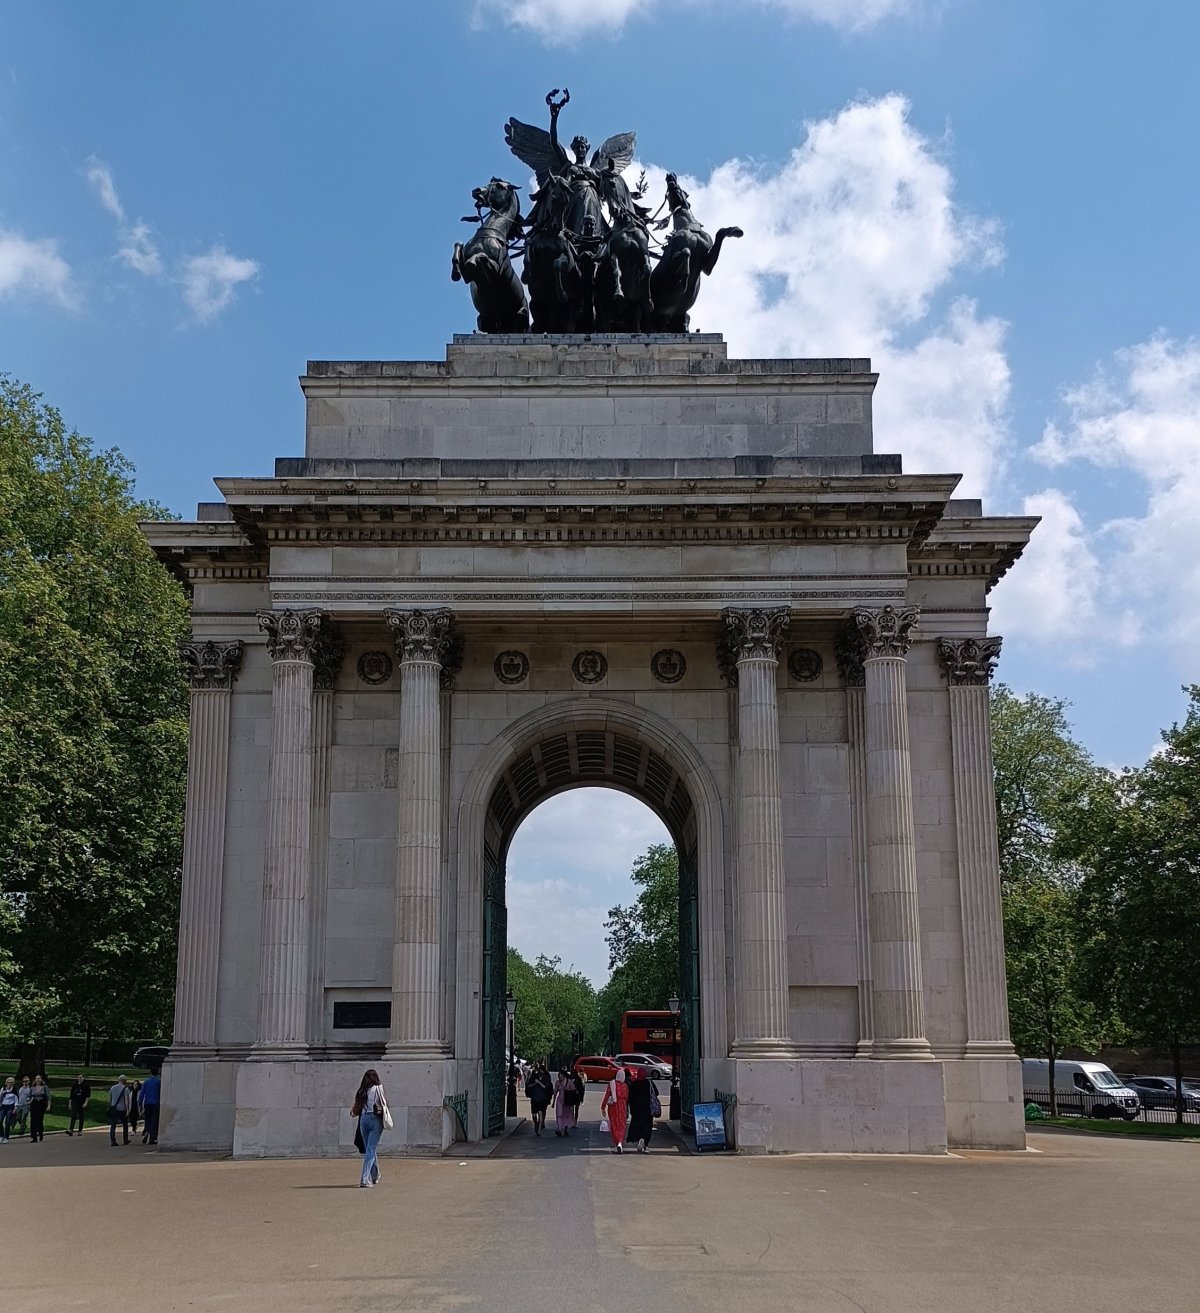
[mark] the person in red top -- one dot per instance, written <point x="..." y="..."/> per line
<point x="616" y="1103"/>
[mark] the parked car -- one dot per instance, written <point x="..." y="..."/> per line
<point x="655" y="1068"/>
<point x="151" y="1056"/>
<point x="1159" y="1092"/>
<point x="1086" y="1089"/>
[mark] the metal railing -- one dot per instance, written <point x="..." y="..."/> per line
<point x="1075" y="1103"/>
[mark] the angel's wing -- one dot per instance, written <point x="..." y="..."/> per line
<point x="619" y="149"/>
<point x="533" y="147"/>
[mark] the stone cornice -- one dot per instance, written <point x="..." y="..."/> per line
<point x="984" y="546"/>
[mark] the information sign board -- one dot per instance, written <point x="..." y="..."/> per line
<point x="710" y="1126"/>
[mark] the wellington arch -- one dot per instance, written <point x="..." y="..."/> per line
<point x="624" y="560"/>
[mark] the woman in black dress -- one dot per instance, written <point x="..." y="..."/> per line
<point x="641" y="1111"/>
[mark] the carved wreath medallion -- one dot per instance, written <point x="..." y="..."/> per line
<point x="804" y="665"/>
<point x="668" y="666"/>
<point x="375" y="667"/>
<point x="589" y="667"/>
<point x="511" y="667"/>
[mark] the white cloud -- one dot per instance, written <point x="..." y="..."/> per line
<point x="33" y="267"/>
<point x="561" y="22"/>
<point x="210" y="281"/>
<point x="1140" y="420"/>
<point x="848" y="245"/>
<point x="101" y="179"/>
<point x="567" y="865"/>
<point x="138" y="251"/>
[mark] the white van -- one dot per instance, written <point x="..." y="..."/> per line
<point x="1082" y="1089"/>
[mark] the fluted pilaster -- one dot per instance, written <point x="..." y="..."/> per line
<point x="892" y="905"/>
<point x="284" y="990"/>
<point x="856" y="718"/>
<point x="968" y="665"/>
<point x="424" y="644"/>
<point x="211" y="668"/>
<point x="752" y="640"/>
<point x="322" y="704"/>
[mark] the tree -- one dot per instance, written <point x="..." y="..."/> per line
<point x="1137" y="836"/>
<point x="93" y="737"/>
<point x="643" y="941"/>
<point x="555" y="1008"/>
<point x="1046" y="1009"/>
<point x="1039" y="770"/>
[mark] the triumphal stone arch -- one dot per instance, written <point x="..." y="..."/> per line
<point x="622" y="560"/>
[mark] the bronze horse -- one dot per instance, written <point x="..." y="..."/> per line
<point x="484" y="264"/>
<point x="622" y="283"/>
<point x="552" y="273"/>
<point x="689" y="252"/>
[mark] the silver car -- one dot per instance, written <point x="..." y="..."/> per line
<point x="655" y="1068"/>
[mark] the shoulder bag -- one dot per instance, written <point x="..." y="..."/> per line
<point x="384" y="1111"/>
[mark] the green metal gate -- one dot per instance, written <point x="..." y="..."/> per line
<point x="495" y="986"/>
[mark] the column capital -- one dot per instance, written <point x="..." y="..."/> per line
<point x="968" y="661"/>
<point x="850" y="650"/>
<point x="886" y="632"/>
<point x="750" y="634"/>
<point x="291" y="635"/>
<point x="423" y="635"/>
<point x="327" y="654"/>
<point x="211" y="664"/>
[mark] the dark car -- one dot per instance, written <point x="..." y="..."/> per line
<point x="151" y="1056"/>
<point x="1159" y="1092"/>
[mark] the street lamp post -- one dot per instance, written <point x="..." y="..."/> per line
<point x="510" y="1007"/>
<point x="673" y="1004"/>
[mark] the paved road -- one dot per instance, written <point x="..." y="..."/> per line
<point x="548" y="1223"/>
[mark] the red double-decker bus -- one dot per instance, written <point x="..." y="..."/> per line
<point x="649" y="1032"/>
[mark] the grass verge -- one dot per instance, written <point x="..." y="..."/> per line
<point x="1105" y="1126"/>
<point x="60" y="1080"/>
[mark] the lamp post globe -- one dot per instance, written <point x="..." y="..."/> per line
<point x="510" y="1007"/>
<point x="674" y="1111"/>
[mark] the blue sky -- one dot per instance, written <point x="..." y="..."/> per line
<point x="995" y="201"/>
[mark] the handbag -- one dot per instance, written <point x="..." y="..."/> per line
<point x="384" y="1111"/>
<point x="605" y="1129"/>
<point x="359" y="1142"/>
<point x="655" y="1103"/>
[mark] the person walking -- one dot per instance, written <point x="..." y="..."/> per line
<point x="39" y="1102"/>
<point x="151" y="1097"/>
<point x="118" y="1110"/>
<point x="566" y="1113"/>
<point x="615" y="1104"/>
<point x="135" y="1102"/>
<point x="8" y="1108"/>
<point x="641" y="1111"/>
<point x="77" y="1102"/>
<point x="370" y="1107"/>
<point x="21" y="1113"/>
<point x="540" y="1090"/>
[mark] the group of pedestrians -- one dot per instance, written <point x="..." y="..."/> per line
<point x="630" y="1105"/>
<point x="565" y="1094"/>
<point x="24" y="1106"/>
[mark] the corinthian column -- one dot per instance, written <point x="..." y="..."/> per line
<point x="211" y="669"/>
<point x="751" y="656"/>
<point x="327" y="656"/>
<point x="424" y="645"/>
<point x="283" y="990"/>
<point x="897" y="1005"/>
<point x="968" y="665"/>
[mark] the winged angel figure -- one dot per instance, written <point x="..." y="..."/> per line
<point x="593" y="183"/>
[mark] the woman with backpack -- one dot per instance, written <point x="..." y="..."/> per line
<point x="540" y="1090"/>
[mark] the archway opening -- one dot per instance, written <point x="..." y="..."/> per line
<point x="566" y="762"/>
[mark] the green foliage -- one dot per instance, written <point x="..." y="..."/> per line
<point x="1137" y="837"/>
<point x="555" y="1008"/>
<point x="1039" y="770"/>
<point x="93" y="736"/>
<point x="643" y="942"/>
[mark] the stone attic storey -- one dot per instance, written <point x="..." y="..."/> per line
<point x="622" y="560"/>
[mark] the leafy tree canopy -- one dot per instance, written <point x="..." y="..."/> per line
<point x="92" y="737"/>
<point x="556" y="1009"/>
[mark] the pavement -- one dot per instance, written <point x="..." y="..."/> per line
<point x="1095" y="1224"/>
